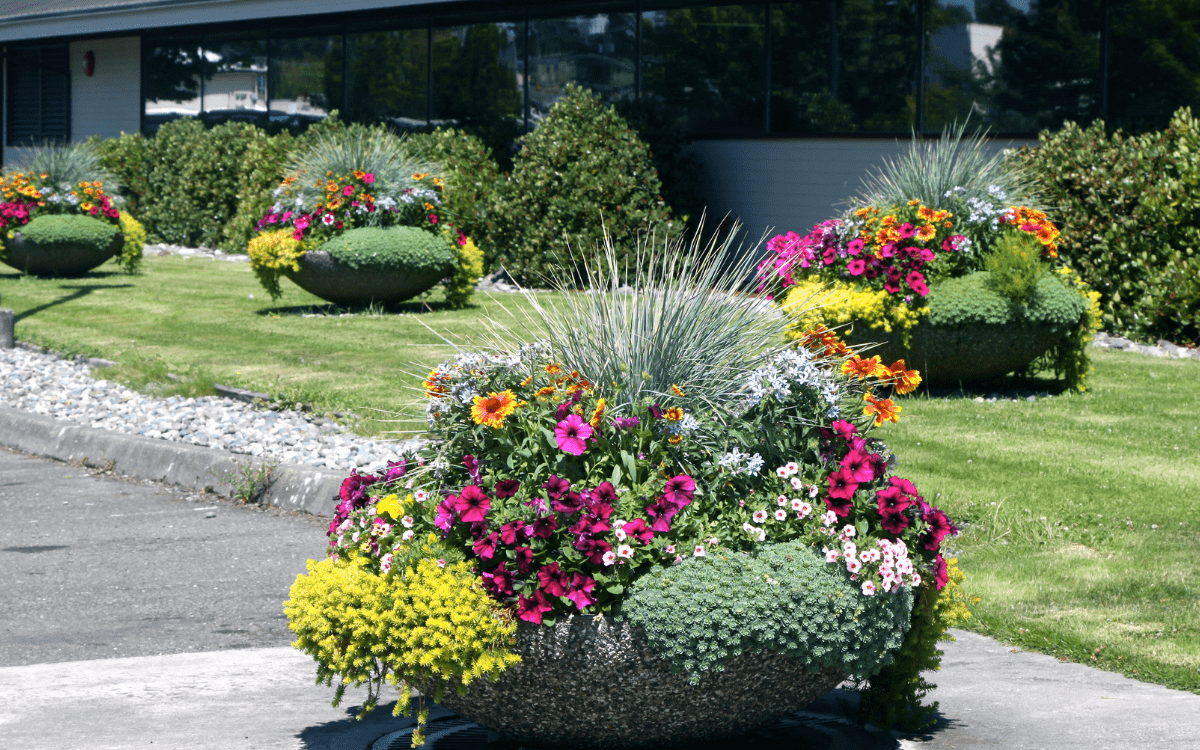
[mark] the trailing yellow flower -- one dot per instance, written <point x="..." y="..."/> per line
<point x="271" y="255"/>
<point x="424" y="624"/>
<point x="839" y="303"/>
<point x="134" y="243"/>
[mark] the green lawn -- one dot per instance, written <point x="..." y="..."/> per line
<point x="1081" y="516"/>
<point x="207" y="321"/>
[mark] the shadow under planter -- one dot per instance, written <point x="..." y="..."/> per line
<point x="326" y="277"/>
<point x="966" y="353"/>
<point x="59" y="258"/>
<point x="590" y="682"/>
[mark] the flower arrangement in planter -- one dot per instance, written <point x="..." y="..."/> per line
<point x="882" y="268"/>
<point x="56" y="217"/>
<point x="338" y="226"/>
<point x="658" y="491"/>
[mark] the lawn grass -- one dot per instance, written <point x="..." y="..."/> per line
<point x="1080" y="513"/>
<point x="1081" y="518"/>
<point x="207" y="321"/>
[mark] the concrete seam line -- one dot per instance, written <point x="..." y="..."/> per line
<point x="192" y="467"/>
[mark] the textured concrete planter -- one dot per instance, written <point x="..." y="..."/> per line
<point x="596" y="683"/>
<point x="969" y="353"/>
<point x="323" y="275"/>
<point x="57" y="258"/>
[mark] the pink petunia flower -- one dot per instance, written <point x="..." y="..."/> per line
<point x="868" y="588"/>
<point x="472" y="504"/>
<point x="531" y="609"/>
<point x="571" y="434"/>
<point x="680" y="490"/>
<point x="580" y="591"/>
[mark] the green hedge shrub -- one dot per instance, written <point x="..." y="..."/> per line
<point x="192" y="179"/>
<point x="472" y="178"/>
<point x="125" y="157"/>
<point x="408" y="248"/>
<point x="582" y="170"/>
<point x="709" y="609"/>
<point x="1129" y="210"/>
<point x="262" y="170"/>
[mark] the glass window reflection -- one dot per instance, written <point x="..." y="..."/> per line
<point x="707" y="65"/>
<point x="877" y="53"/>
<point x="597" y="51"/>
<point x="802" y="77"/>
<point x="235" y="80"/>
<point x="389" y="77"/>
<point x="171" y="74"/>
<point x="1153" y="62"/>
<point x="305" y="79"/>
<point x="479" y="79"/>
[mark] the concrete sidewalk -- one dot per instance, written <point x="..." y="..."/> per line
<point x="991" y="697"/>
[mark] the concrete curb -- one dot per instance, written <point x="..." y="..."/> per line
<point x="189" y="466"/>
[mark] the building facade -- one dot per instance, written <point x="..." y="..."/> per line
<point x="787" y="104"/>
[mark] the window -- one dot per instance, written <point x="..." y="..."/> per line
<point x="39" y="95"/>
<point x="479" y="79"/>
<point x="597" y="51"/>
<point x="306" y="79"/>
<point x="389" y="77"/>
<point x="171" y="73"/>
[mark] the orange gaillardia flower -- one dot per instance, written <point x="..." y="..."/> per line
<point x="862" y="368"/>
<point x="882" y="409"/>
<point x="904" y="379"/>
<point x="596" y="415"/>
<point x="674" y="414"/>
<point x="553" y="369"/>
<point x="493" y="409"/>
<point x="677" y="390"/>
<point x="526" y="381"/>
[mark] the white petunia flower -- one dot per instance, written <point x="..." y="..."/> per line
<point x="760" y="516"/>
<point x="408" y="534"/>
<point x="781" y="514"/>
<point x="625" y="551"/>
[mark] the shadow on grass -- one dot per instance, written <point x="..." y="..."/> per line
<point x="331" y="310"/>
<point x="1009" y="384"/>
<point x="80" y="291"/>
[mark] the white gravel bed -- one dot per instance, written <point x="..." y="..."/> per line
<point x="64" y="389"/>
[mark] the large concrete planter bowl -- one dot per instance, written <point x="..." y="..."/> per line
<point x="62" y="257"/>
<point x="596" y="683"/>
<point x="966" y="353"/>
<point x="324" y="276"/>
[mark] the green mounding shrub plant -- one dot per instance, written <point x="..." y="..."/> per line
<point x="471" y="177"/>
<point x="975" y="299"/>
<point x="125" y="157"/>
<point x="392" y="249"/>
<point x="782" y="599"/>
<point x="192" y="180"/>
<point x="950" y="173"/>
<point x="1016" y="266"/>
<point x="1130" y="215"/>
<point x="582" y="174"/>
<point x="70" y="229"/>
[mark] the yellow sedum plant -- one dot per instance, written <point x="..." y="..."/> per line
<point x="271" y="253"/>
<point x="134" y="243"/>
<point x="428" y="623"/>
<point x="831" y="304"/>
<point x="468" y="269"/>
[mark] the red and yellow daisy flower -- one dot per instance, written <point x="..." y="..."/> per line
<point x="493" y="409"/>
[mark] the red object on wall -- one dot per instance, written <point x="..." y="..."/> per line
<point x="89" y="63"/>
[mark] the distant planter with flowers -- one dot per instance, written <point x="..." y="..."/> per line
<point x="357" y="221"/>
<point x="57" y="219"/>
<point x="657" y="500"/>
<point x="958" y="281"/>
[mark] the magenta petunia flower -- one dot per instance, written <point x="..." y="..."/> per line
<point x="842" y="485"/>
<point x="904" y="486"/>
<point x="857" y="463"/>
<point x="893" y="521"/>
<point x="446" y="513"/>
<point x="553" y="579"/>
<point x="506" y="488"/>
<point x="891" y="499"/>
<point x="524" y="559"/>
<point x="485" y="548"/>
<point x="571" y="434"/>
<point x="472" y="465"/>
<point x="844" y="429"/>
<point x="498" y="581"/>
<point x="572" y="503"/>
<point x="855" y="247"/>
<point x="604" y="493"/>
<point x="680" y="490"/>
<point x="368" y="178"/>
<point x="354" y="487"/>
<point x="581" y="591"/>
<point x="638" y="530"/>
<point x="544" y="526"/>
<point x="472" y="504"/>
<point x="556" y="487"/>
<point x="511" y="533"/>
<point x="856" y="267"/>
<point x="395" y="470"/>
<point x="941" y="572"/>
<point x="626" y="423"/>
<point x="531" y="609"/>
<point x="907" y="230"/>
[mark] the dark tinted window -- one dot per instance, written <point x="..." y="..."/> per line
<point x="802" y="72"/>
<point x="1017" y="67"/>
<point x="597" y="51"/>
<point x="389" y="77"/>
<point x="305" y="79"/>
<point x="1154" y="62"/>
<point x="39" y="100"/>
<point x="478" y="72"/>
<point x="171" y="73"/>
<point x="707" y="65"/>
<point x="235" y="80"/>
<point x="877" y="52"/>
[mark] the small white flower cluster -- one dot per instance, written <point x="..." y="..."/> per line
<point x="685" y="426"/>
<point x="387" y="202"/>
<point x="896" y="569"/>
<point x="789" y="472"/>
<point x="982" y="211"/>
<point x="741" y="463"/>
<point x="791" y="368"/>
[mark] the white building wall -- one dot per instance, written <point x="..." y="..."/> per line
<point x="786" y="185"/>
<point x="109" y="102"/>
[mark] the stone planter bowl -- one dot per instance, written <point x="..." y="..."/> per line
<point x="324" y="276"/>
<point x="57" y="258"/>
<point x="591" y="682"/>
<point x="969" y="353"/>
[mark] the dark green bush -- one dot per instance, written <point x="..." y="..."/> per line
<point x="784" y="599"/>
<point x="581" y="171"/>
<point x="974" y="299"/>
<point x="262" y="170"/>
<point x="407" y="248"/>
<point x="1129" y="210"/>
<point x="125" y="157"/>
<point x="62" y="229"/>
<point x="193" y="178"/>
<point x="472" y="178"/>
